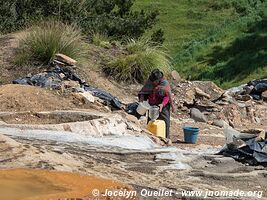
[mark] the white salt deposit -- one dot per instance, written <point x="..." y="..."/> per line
<point x="122" y="141"/>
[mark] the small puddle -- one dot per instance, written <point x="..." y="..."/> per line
<point x="29" y="184"/>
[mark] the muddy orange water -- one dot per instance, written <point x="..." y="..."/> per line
<point x="29" y="184"/>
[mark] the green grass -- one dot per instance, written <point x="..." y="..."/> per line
<point x="208" y="40"/>
<point x="185" y="20"/>
<point x="43" y="41"/>
<point x="101" y="40"/>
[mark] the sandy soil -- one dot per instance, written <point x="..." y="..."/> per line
<point x="29" y="98"/>
<point x="47" y="185"/>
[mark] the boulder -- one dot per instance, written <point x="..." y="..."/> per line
<point x="198" y="116"/>
<point x="65" y="59"/>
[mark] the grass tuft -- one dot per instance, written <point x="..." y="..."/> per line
<point x="142" y="57"/>
<point x="43" y="41"/>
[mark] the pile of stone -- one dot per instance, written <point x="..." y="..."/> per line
<point x="204" y="101"/>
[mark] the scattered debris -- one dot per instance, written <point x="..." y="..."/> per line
<point x="250" y="151"/>
<point x="62" y="76"/>
<point x="255" y="89"/>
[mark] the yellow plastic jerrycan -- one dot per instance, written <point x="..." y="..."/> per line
<point x="158" y="128"/>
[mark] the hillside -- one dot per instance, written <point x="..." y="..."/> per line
<point x="223" y="41"/>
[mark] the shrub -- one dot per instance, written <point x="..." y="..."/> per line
<point x="42" y="42"/>
<point x="113" y="17"/>
<point x="157" y="37"/>
<point x="142" y="57"/>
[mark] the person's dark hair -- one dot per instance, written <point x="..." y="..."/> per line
<point x="155" y="75"/>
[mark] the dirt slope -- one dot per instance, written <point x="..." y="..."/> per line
<point x="90" y="71"/>
<point x="29" y="98"/>
<point x="8" y="70"/>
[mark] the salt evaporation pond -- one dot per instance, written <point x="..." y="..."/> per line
<point x="122" y="141"/>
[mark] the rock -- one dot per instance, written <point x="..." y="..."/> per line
<point x="250" y="113"/>
<point x="128" y="117"/>
<point x="206" y="104"/>
<point x="236" y="90"/>
<point x="184" y="109"/>
<point x="190" y="97"/>
<point x="224" y="160"/>
<point x="264" y="96"/>
<point x="70" y="84"/>
<point x="197" y="115"/>
<point x="257" y="120"/>
<point x="220" y="123"/>
<point x="245" y="97"/>
<point x="62" y="76"/>
<point x="87" y="97"/>
<point x="176" y="76"/>
<point x="260" y="133"/>
<point x="222" y="102"/>
<point x="241" y="105"/>
<point x="232" y="135"/>
<point x="78" y="90"/>
<point x="199" y="92"/>
<point x="58" y="63"/>
<point x="228" y="98"/>
<point x="65" y="59"/>
<point x="209" y="88"/>
<point x="8" y="141"/>
<point x="248" y="89"/>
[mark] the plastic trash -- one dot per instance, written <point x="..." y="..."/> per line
<point x="142" y="108"/>
<point x="53" y="77"/>
<point x="107" y="97"/>
<point x="244" y="148"/>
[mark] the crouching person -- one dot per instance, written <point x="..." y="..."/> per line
<point x="158" y="92"/>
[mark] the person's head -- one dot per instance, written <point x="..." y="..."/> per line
<point x="155" y="76"/>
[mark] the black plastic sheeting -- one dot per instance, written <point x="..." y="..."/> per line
<point x="131" y="109"/>
<point x="52" y="79"/>
<point x="259" y="86"/>
<point x="250" y="153"/>
<point x="107" y="97"/>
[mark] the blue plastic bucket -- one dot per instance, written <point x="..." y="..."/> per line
<point x="190" y="134"/>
